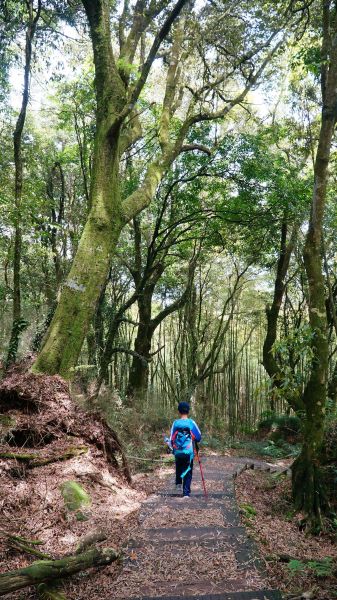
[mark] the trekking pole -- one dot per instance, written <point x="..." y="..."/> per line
<point x="201" y="472"/>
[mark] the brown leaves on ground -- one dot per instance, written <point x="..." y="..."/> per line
<point x="170" y="517"/>
<point x="38" y="410"/>
<point x="40" y="418"/>
<point x="162" y="570"/>
<point x="276" y="530"/>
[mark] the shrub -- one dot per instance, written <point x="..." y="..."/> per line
<point x="285" y="427"/>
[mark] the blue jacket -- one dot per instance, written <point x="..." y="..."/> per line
<point x="195" y="431"/>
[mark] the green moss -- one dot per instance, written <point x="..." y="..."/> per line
<point x="74" y="495"/>
<point x="81" y="516"/>
<point x="7" y="421"/>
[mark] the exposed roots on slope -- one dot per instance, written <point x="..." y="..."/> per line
<point x="47" y="441"/>
<point x="37" y="411"/>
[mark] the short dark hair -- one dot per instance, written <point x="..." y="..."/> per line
<point x="183" y="408"/>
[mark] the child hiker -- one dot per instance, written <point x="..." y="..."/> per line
<point x="183" y="433"/>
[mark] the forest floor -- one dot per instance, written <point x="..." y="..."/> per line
<point x="301" y="565"/>
<point x="46" y="425"/>
<point x="265" y="510"/>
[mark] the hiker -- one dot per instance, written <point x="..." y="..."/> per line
<point x="183" y="433"/>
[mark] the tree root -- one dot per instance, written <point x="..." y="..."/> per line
<point x="23" y="540"/>
<point x="28" y="549"/>
<point x="42" y="571"/>
<point x="90" y="539"/>
<point x="34" y="460"/>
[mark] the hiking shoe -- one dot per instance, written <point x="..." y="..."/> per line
<point x="186" y="497"/>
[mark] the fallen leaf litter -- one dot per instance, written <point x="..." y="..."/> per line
<point x="168" y="517"/>
<point x="148" y="569"/>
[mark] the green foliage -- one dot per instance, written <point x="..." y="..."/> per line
<point x="319" y="568"/>
<point x="309" y="58"/>
<point x="247" y="511"/>
<point x="270" y="449"/>
<point x="280" y="449"/>
<point x="213" y="442"/>
<point x="294" y="354"/>
<point x="280" y="426"/>
<point x="18" y="327"/>
<point x="127" y="67"/>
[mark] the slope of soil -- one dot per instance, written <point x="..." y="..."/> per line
<point x="300" y="564"/>
<point x="45" y="441"/>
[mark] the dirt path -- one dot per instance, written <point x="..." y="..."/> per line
<point x="195" y="547"/>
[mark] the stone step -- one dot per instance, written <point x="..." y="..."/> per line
<point x="227" y="508"/>
<point x="224" y="494"/>
<point x="251" y="595"/>
<point x="231" y="518"/>
<point x="193" y="534"/>
<point x="217" y="539"/>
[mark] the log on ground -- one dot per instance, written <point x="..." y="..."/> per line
<point x="47" y="570"/>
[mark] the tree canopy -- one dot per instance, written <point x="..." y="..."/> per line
<point x="168" y="208"/>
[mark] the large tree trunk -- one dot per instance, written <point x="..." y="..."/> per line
<point x="139" y="372"/>
<point x="272" y="312"/>
<point x="107" y="215"/>
<point x="307" y="486"/>
<point x="89" y="271"/>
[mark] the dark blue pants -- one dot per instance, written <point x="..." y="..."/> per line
<point x="182" y="463"/>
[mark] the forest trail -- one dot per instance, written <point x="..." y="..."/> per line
<point x="196" y="547"/>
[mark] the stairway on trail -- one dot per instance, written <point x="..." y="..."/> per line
<point x="196" y="547"/>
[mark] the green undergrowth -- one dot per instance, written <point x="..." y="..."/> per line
<point x="142" y="430"/>
<point x="319" y="568"/>
<point x="266" y="448"/>
<point x="143" y="426"/>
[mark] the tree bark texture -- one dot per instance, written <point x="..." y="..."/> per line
<point x="308" y="491"/>
<point x="139" y="371"/>
<point x="107" y="215"/>
<point x="272" y="312"/>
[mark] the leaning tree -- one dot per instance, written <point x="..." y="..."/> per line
<point x="206" y="52"/>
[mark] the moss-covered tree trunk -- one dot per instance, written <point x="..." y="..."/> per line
<point x="307" y="486"/>
<point x="88" y="273"/>
<point x="87" y="276"/>
<point x="115" y="100"/>
<point x="51" y="570"/>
